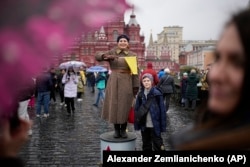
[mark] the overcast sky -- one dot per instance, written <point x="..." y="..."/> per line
<point x="200" y="19"/>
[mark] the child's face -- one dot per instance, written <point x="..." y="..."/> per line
<point x="147" y="83"/>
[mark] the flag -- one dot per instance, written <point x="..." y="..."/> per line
<point x="132" y="63"/>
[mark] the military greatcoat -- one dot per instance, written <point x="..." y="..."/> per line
<point x="119" y="90"/>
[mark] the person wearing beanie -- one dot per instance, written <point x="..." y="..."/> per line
<point x="122" y="86"/>
<point x="155" y="119"/>
<point x="122" y="36"/>
<point x="166" y="70"/>
<point x="160" y="73"/>
<point x="167" y="86"/>
<point x="151" y="71"/>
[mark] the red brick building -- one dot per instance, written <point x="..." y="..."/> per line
<point x="103" y="39"/>
<point x="183" y="58"/>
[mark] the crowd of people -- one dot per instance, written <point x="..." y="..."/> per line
<point x="43" y="90"/>
<point x="223" y="120"/>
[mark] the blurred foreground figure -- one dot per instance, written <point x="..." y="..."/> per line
<point x="224" y="120"/>
<point x="28" y="39"/>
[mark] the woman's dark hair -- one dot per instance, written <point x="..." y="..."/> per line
<point x="68" y="72"/>
<point x="242" y="22"/>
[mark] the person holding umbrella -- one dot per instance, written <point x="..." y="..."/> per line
<point x="70" y="80"/>
<point x="122" y="86"/>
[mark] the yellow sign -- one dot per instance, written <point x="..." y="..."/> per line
<point x="132" y="63"/>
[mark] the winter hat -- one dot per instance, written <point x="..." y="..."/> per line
<point x="193" y="71"/>
<point x="166" y="70"/>
<point x="149" y="76"/>
<point x="185" y="74"/>
<point x="149" y="65"/>
<point x="122" y="36"/>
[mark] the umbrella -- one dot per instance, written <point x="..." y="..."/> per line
<point x="97" y="69"/>
<point x="74" y="64"/>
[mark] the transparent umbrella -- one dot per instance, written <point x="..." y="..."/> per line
<point x="97" y="69"/>
<point x="74" y="64"/>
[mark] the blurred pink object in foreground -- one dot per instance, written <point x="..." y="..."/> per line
<point x="32" y="31"/>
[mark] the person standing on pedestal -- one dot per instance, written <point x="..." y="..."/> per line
<point x="122" y="86"/>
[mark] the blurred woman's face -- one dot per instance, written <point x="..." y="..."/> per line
<point x="123" y="43"/>
<point x="227" y="72"/>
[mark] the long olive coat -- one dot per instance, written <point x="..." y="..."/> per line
<point x="119" y="90"/>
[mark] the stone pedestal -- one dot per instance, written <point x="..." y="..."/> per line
<point x="108" y="142"/>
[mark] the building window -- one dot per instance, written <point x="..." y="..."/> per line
<point x="85" y="51"/>
<point x="89" y="37"/>
<point x="132" y="37"/>
<point x="89" y="50"/>
<point x="115" y="35"/>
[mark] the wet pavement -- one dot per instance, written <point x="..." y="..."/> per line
<point x="62" y="140"/>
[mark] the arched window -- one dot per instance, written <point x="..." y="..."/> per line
<point x="132" y="37"/>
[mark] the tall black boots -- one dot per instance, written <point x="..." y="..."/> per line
<point x="123" y="130"/>
<point x="120" y="130"/>
<point x="117" y="131"/>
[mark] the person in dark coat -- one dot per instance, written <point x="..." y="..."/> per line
<point x="155" y="122"/>
<point x="167" y="86"/>
<point x="43" y="86"/>
<point x="91" y="78"/>
<point x="183" y="88"/>
<point x="54" y="86"/>
<point x="61" y="86"/>
<point x="192" y="90"/>
<point x="160" y="73"/>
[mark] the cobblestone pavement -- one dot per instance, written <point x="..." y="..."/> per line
<point x="62" y="140"/>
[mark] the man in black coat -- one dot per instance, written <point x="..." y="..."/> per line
<point x="166" y="86"/>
